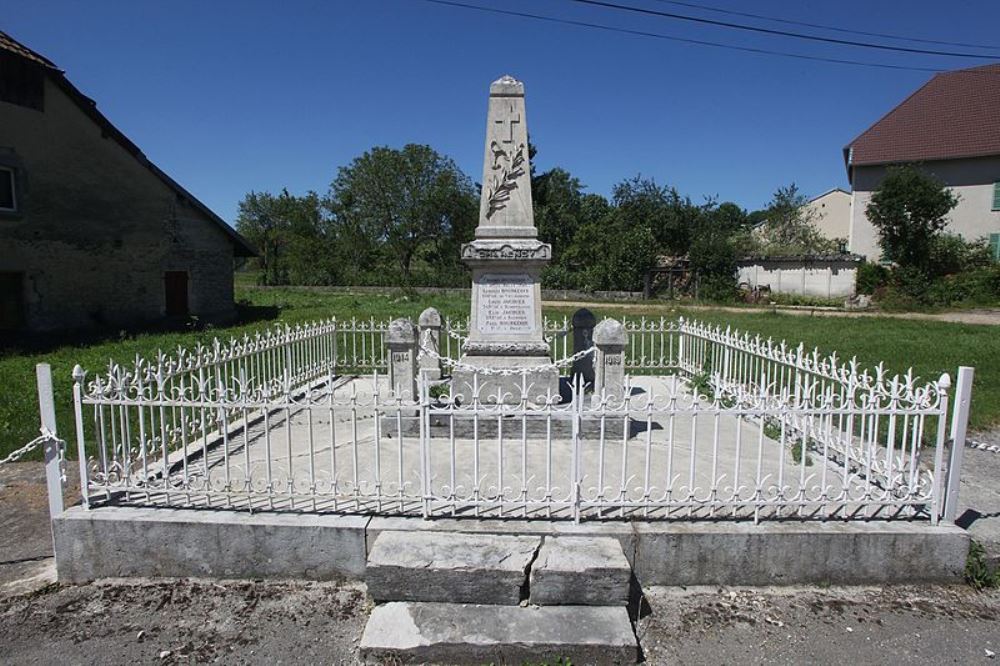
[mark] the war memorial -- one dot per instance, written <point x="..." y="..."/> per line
<point x="506" y="485"/>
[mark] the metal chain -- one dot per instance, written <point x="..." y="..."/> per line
<point x="507" y="372"/>
<point x="46" y="436"/>
<point x="982" y="446"/>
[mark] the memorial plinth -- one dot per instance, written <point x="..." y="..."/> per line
<point x="506" y="330"/>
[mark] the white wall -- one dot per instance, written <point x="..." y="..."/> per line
<point x="805" y="277"/>
<point x="971" y="179"/>
<point x="831" y="213"/>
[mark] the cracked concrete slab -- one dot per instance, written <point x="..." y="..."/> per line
<point x="453" y="567"/>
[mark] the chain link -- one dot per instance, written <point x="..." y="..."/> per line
<point x="506" y="372"/>
<point x="46" y="436"/>
<point x="982" y="446"/>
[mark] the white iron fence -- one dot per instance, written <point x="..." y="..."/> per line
<point x="711" y="424"/>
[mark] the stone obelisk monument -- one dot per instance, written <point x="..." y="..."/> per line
<point x="506" y="259"/>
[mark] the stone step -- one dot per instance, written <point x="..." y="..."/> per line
<point x="450" y="566"/>
<point x="580" y="570"/>
<point x="415" y="632"/>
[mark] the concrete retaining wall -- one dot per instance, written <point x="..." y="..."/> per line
<point x="122" y="541"/>
<point x="803" y="276"/>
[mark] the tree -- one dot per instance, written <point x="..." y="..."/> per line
<point x="411" y="201"/>
<point x="558" y="201"/>
<point x="669" y="216"/>
<point x="790" y="227"/>
<point x="713" y="249"/>
<point x="281" y="227"/>
<point x="909" y="210"/>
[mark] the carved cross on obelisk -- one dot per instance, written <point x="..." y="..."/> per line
<point x="506" y="258"/>
<point x="509" y="121"/>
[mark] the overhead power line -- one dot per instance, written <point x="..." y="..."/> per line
<point x="780" y="33"/>
<point x="684" y="40"/>
<point x="831" y="28"/>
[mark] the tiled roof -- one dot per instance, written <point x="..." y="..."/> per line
<point x="8" y="43"/>
<point x="955" y="114"/>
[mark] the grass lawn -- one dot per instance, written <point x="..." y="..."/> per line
<point x="929" y="347"/>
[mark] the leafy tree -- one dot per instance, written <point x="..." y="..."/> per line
<point x="558" y="199"/>
<point x="669" y="216"/>
<point x="713" y="249"/>
<point x="409" y="201"/>
<point x="790" y="227"/>
<point x="909" y="210"/>
<point x="281" y="227"/>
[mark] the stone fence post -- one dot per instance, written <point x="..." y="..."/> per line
<point x="583" y="338"/>
<point x="610" y="339"/>
<point x="429" y="324"/>
<point x="401" y="340"/>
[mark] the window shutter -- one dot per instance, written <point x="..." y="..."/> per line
<point x="995" y="246"/>
<point x="996" y="195"/>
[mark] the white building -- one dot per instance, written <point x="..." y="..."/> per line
<point x="950" y="127"/>
<point x="831" y="213"/>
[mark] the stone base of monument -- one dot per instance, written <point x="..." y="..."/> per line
<point x="505" y="389"/>
<point x="464" y="426"/>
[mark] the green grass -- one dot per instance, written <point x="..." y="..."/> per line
<point x="930" y="347"/>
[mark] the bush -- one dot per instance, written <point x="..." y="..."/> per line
<point x="717" y="288"/>
<point x="870" y="278"/>
<point x="950" y="254"/>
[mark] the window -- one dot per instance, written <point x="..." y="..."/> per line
<point x="8" y="193"/>
<point x="996" y="195"/>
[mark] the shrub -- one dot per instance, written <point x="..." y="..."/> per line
<point x="870" y="278"/>
<point x="950" y="254"/>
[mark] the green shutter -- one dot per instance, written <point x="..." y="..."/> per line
<point x="995" y="246"/>
<point x="996" y="195"/>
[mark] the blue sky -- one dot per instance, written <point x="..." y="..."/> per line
<point x="231" y="96"/>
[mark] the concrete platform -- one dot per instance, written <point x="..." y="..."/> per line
<point x="458" y="567"/>
<point x="459" y="633"/>
<point x="584" y="571"/>
<point x="126" y="541"/>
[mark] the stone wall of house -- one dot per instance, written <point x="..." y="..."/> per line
<point x="96" y="229"/>
<point x="971" y="179"/>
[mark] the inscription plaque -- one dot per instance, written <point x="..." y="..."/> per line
<point x="505" y="304"/>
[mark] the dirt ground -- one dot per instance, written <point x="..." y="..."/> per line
<point x="281" y="622"/>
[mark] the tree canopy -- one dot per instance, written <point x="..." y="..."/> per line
<point x="909" y="210"/>
<point x="398" y="217"/>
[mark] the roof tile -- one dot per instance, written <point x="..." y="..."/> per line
<point x="955" y="114"/>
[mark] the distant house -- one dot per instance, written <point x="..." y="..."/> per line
<point x="831" y="213"/>
<point x="951" y="128"/>
<point x="91" y="232"/>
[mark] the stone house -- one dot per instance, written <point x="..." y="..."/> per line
<point x="949" y="127"/>
<point x="92" y="233"/>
